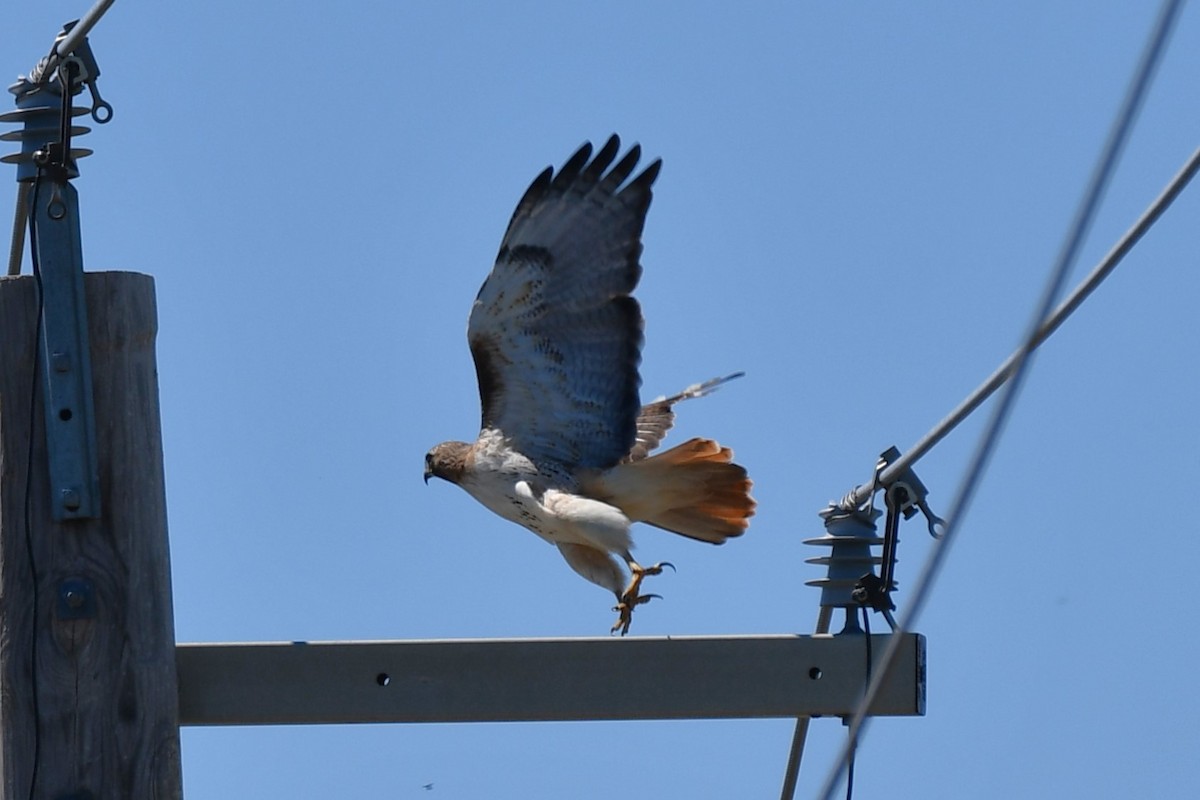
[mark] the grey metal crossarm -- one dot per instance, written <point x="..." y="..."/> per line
<point x="508" y="680"/>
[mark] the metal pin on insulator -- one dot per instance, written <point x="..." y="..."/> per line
<point x="849" y="535"/>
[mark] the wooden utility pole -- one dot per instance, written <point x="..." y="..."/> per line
<point x="88" y="691"/>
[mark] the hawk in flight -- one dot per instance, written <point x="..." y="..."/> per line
<point x="565" y="445"/>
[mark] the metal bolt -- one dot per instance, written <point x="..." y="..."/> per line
<point x="76" y="600"/>
<point x="70" y="500"/>
<point x="61" y="362"/>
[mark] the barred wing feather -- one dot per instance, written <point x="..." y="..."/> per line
<point x="555" y="333"/>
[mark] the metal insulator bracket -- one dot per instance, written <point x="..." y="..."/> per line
<point x="66" y="358"/>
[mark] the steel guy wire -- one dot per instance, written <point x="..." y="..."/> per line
<point x="16" y="250"/>
<point x="800" y="735"/>
<point x="1110" y="154"/>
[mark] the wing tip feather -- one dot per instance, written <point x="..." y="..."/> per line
<point x="574" y="167"/>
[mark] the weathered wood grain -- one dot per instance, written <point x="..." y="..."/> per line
<point x="87" y="705"/>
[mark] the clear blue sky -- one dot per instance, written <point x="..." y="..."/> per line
<point x="858" y="206"/>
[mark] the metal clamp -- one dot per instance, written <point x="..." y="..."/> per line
<point x="908" y="493"/>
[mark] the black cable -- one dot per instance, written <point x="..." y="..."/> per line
<point x="853" y="745"/>
<point x="59" y="171"/>
<point x="867" y="629"/>
<point x="28" y="501"/>
<point x="66" y="77"/>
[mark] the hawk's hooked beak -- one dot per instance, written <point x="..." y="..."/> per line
<point x="428" y="472"/>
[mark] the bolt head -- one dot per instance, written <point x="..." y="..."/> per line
<point x="71" y="500"/>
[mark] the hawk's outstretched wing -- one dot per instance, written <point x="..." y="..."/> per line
<point x="555" y="333"/>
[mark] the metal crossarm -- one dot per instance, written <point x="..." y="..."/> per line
<point x="507" y="680"/>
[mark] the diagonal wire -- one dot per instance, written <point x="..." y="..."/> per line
<point x="1068" y="306"/>
<point x="1101" y="271"/>
<point x="16" y="250"/>
<point x="1110" y="154"/>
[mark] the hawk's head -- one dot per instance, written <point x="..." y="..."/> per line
<point x="447" y="461"/>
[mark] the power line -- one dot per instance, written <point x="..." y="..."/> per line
<point x="1089" y="284"/>
<point x="1110" y="154"/>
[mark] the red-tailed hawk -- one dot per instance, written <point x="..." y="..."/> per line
<point x="565" y="444"/>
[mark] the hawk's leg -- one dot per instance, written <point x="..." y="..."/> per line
<point x="632" y="597"/>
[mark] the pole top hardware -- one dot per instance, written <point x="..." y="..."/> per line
<point x="48" y="202"/>
<point x="44" y="106"/>
<point x="901" y="487"/>
<point x="71" y="44"/>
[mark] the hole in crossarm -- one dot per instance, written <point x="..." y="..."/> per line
<point x="383" y="679"/>
<point x="815" y="673"/>
<point x="65" y="414"/>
